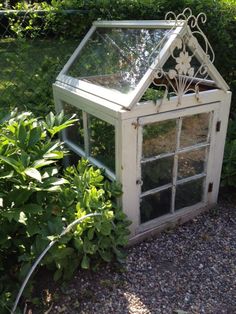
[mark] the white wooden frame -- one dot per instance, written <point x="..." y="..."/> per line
<point x="128" y="116"/>
<point x="214" y="164"/>
<point x="73" y="101"/>
<point x="214" y="108"/>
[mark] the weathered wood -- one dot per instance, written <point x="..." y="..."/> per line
<point x="168" y="223"/>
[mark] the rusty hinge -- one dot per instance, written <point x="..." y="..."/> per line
<point x="139" y="182"/>
<point x="135" y="124"/>
<point x="218" y="126"/>
<point x="210" y="187"/>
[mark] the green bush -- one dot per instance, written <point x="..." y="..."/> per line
<point x="38" y="199"/>
<point x="228" y="177"/>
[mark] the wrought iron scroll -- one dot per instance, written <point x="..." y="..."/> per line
<point x="183" y="77"/>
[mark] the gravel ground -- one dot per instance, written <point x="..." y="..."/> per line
<point x="191" y="269"/>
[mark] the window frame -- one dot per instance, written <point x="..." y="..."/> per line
<point x="169" y="115"/>
<point x="86" y="151"/>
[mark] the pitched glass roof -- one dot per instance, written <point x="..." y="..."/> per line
<point x="114" y="57"/>
<point x="117" y="58"/>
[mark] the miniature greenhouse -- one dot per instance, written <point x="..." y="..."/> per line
<point x="152" y="111"/>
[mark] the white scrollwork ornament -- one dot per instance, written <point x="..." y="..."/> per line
<point x="181" y="77"/>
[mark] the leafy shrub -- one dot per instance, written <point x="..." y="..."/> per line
<point x="228" y="177"/>
<point x="38" y="199"/>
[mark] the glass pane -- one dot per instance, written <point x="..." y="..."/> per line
<point x="117" y="58"/>
<point x="157" y="173"/>
<point x="75" y="133"/>
<point x="191" y="163"/>
<point x="155" y="205"/>
<point x="189" y="193"/>
<point x="159" y="137"/>
<point x="102" y="141"/>
<point x="194" y="129"/>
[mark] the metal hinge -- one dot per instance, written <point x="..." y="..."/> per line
<point x="218" y="126"/>
<point x="135" y="124"/>
<point x="210" y="187"/>
<point x="139" y="182"/>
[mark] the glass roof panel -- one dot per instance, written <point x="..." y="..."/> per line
<point x="118" y="58"/>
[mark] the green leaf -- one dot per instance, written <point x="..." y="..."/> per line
<point x="57" y="275"/>
<point x="34" y="136"/>
<point x="33" y="173"/>
<point x="56" y="181"/>
<point x="90" y="233"/>
<point x="25" y="159"/>
<point x="89" y="247"/>
<point x="54" y="155"/>
<point x="50" y="119"/>
<point x="33" y="208"/>
<point x="6" y="175"/>
<point x="22" y="134"/>
<point x="78" y="243"/>
<point x="85" y="263"/>
<point x="42" y="163"/>
<point x="106" y="255"/>
<point x="20" y="196"/>
<point x="56" y="188"/>
<point x="11" y="161"/>
<point x="33" y="228"/>
<point x="22" y="218"/>
<point x="106" y="228"/>
<point x="15" y="215"/>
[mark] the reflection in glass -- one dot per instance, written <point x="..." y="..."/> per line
<point x="157" y="173"/>
<point x="102" y="141"/>
<point x="194" y="129"/>
<point x="191" y="163"/>
<point x="159" y="137"/>
<point x="117" y="58"/>
<point x="75" y="133"/>
<point x="155" y="205"/>
<point x="189" y="193"/>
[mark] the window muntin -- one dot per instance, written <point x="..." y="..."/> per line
<point x="191" y="163"/>
<point x="159" y="138"/>
<point x="200" y="124"/>
<point x="189" y="193"/>
<point x="102" y="141"/>
<point x="75" y="133"/>
<point x="91" y="137"/>
<point x="155" y="205"/>
<point x="157" y="173"/>
<point x="189" y="139"/>
<point x="117" y="58"/>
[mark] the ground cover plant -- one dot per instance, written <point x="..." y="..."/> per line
<point x="38" y="199"/>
